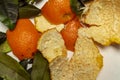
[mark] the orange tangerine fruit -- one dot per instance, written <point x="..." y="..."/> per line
<point x="23" y="39"/>
<point x="57" y="11"/>
<point x="70" y="33"/>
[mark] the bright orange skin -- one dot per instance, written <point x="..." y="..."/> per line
<point x="70" y="33"/>
<point x="23" y="39"/>
<point x="57" y="11"/>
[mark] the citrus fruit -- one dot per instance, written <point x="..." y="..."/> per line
<point x="23" y="39"/>
<point x="57" y="11"/>
<point x="70" y="32"/>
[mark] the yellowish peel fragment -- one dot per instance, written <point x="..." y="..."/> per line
<point x="85" y="64"/>
<point x="103" y="16"/>
<point x="43" y="25"/>
<point x="52" y="45"/>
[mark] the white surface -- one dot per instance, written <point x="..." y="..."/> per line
<point x="111" y="59"/>
<point x="111" y="63"/>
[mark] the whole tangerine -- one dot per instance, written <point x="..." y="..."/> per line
<point x="57" y="11"/>
<point x="23" y="39"/>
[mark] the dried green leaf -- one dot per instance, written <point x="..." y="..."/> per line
<point x="4" y="47"/>
<point x="9" y="12"/>
<point x="10" y="69"/>
<point x="40" y="69"/>
<point x="28" y="11"/>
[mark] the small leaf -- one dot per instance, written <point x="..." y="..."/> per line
<point x="9" y="12"/>
<point x="4" y="47"/>
<point x="28" y="11"/>
<point x="40" y="69"/>
<point x="10" y="69"/>
<point x="77" y="6"/>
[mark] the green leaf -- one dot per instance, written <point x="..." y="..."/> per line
<point x="10" y="69"/>
<point x="77" y="6"/>
<point x="9" y="12"/>
<point x="4" y="47"/>
<point x="40" y="69"/>
<point x="28" y="11"/>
